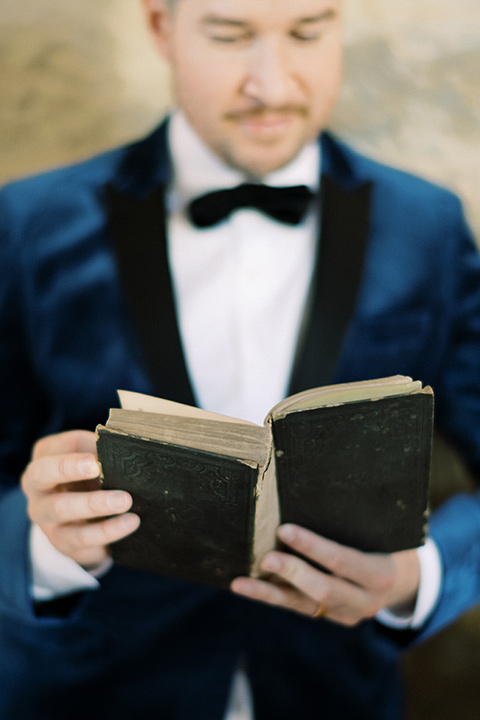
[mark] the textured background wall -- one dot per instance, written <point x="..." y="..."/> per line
<point x="76" y="77"/>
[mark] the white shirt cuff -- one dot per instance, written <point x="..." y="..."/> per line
<point x="55" y="574"/>
<point x="428" y="591"/>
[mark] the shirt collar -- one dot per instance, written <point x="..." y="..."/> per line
<point x="197" y="170"/>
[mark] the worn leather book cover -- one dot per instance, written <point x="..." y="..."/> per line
<point x="358" y="472"/>
<point x="197" y="508"/>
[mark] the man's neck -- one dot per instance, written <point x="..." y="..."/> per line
<point x="198" y="170"/>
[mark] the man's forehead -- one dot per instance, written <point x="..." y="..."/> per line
<point x="252" y="10"/>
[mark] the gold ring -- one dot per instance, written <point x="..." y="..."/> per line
<point x="320" y="611"/>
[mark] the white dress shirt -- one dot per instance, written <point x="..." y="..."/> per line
<point x="240" y="290"/>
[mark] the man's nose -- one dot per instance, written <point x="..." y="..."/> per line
<point x="270" y="79"/>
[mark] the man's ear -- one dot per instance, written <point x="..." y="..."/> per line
<point x="158" y="14"/>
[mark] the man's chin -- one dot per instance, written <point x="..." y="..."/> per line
<point x="262" y="160"/>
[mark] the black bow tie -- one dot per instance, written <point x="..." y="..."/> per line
<point x="285" y="204"/>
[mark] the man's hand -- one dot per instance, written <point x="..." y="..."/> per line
<point x="360" y="584"/>
<point x="66" y="501"/>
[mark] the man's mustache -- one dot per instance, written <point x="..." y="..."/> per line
<point x="263" y="111"/>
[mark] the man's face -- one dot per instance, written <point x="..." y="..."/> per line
<point x="256" y="78"/>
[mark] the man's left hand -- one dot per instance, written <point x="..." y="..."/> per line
<point x="356" y="587"/>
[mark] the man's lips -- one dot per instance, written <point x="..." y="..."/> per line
<point x="268" y="125"/>
<point x="266" y="122"/>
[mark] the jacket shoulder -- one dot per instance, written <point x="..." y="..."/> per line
<point x="351" y="167"/>
<point x="131" y="164"/>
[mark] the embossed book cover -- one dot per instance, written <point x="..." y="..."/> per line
<point x="350" y="461"/>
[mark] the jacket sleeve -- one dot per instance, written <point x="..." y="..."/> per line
<point x="455" y="526"/>
<point x="20" y="409"/>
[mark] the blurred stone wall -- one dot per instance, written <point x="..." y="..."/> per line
<point x="412" y="94"/>
<point x="77" y="77"/>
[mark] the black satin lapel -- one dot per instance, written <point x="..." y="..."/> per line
<point x="138" y="229"/>
<point x="344" y="231"/>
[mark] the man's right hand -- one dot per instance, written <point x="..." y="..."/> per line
<point x="66" y="501"/>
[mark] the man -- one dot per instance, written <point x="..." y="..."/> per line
<point x="226" y="316"/>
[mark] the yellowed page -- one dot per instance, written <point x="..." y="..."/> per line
<point x="148" y="403"/>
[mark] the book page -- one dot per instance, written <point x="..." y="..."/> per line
<point x="267" y="518"/>
<point x="347" y="392"/>
<point x="148" y="403"/>
<point x="245" y="441"/>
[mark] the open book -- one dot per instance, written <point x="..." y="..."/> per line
<point x="348" y="461"/>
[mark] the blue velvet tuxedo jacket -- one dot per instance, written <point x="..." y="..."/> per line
<point x="147" y="647"/>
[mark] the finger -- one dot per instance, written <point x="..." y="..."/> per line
<point x="365" y="569"/>
<point x="347" y="602"/>
<point x="72" y="441"/>
<point x="274" y="593"/>
<point x="320" y="588"/>
<point x="46" y="473"/>
<point x="71" y="507"/>
<point x="332" y="602"/>
<point x="78" y="539"/>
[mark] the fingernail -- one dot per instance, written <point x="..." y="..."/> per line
<point x="118" y="500"/>
<point x="242" y="586"/>
<point x="129" y="522"/>
<point x="272" y="563"/>
<point x="287" y="533"/>
<point x="88" y="467"/>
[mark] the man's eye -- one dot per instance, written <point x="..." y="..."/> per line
<point x="230" y="39"/>
<point x="306" y="36"/>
